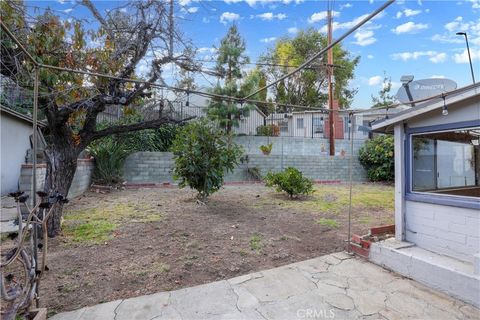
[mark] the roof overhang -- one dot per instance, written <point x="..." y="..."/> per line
<point x="468" y="92"/>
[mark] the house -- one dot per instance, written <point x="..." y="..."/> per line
<point x="314" y="124"/>
<point x="437" y="194"/>
<point x="16" y="129"/>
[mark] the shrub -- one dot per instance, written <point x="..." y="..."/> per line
<point x="271" y="130"/>
<point x="110" y="152"/>
<point x="202" y="154"/>
<point x="377" y="158"/>
<point x="266" y="149"/>
<point x="110" y="155"/>
<point x="291" y="181"/>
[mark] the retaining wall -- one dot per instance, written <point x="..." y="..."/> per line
<point x="81" y="180"/>
<point x="308" y="155"/>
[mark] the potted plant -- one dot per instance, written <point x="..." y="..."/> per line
<point x="266" y="149"/>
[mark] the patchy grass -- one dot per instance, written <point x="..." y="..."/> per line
<point x="256" y="242"/>
<point x="96" y="224"/>
<point x="332" y="224"/>
<point x="335" y="199"/>
<point x="96" y="231"/>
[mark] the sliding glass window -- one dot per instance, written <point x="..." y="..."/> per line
<point x="446" y="162"/>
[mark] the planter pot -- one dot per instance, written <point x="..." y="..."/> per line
<point x="266" y="153"/>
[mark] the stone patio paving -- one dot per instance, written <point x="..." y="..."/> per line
<point x="335" y="286"/>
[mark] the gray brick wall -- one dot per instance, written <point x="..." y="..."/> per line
<point x="81" y="180"/>
<point x="446" y="230"/>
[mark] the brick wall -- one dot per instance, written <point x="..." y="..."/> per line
<point x="81" y="180"/>
<point x="452" y="231"/>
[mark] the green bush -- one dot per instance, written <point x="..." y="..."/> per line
<point x="202" y="154"/>
<point x="110" y="154"/>
<point x="266" y="149"/>
<point x="291" y="181"/>
<point x="377" y="158"/>
<point x="270" y="130"/>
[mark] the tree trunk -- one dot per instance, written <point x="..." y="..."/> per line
<point x="61" y="166"/>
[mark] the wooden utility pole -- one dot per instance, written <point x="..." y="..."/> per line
<point x="330" y="87"/>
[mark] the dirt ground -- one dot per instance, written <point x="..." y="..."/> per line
<point x="136" y="242"/>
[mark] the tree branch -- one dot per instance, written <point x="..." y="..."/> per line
<point x="153" y="124"/>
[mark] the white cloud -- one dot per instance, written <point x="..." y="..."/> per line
<point x="319" y="16"/>
<point x="463" y="57"/>
<point x="229" y="17"/>
<point x="370" y="56"/>
<point x="253" y="3"/>
<point x="375" y="80"/>
<point x="346" y="5"/>
<point x="434" y="56"/>
<point x="437" y="76"/>
<point x="61" y="1"/>
<point x="364" y="38"/>
<point x="350" y="24"/>
<point x="270" y="16"/>
<point x="292" y="30"/>
<point x="184" y="3"/>
<point x="207" y="49"/>
<point x="410" y="27"/>
<point x="472" y="28"/>
<point x="439" y="58"/>
<point x="475" y="4"/>
<point x="192" y="9"/>
<point x="205" y="20"/>
<point x="411" y="13"/>
<point x="267" y="40"/>
<point x="68" y="10"/>
<point x="399" y="14"/>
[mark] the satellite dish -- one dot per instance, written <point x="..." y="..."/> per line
<point x="422" y="89"/>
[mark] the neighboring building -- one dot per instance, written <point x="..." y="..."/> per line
<point x="437" y="194"/>
<point x="16" y="129"/>
<point x="314" y="124"/>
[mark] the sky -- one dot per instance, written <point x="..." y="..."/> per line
<point x="409" y="37"/>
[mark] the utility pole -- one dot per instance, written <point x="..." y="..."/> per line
<point x="330" y="86"/>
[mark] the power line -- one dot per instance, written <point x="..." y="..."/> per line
<point x="322" y="52"/>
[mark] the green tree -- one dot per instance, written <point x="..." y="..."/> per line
<point x="291" y="181"/>
<point x="308" y="87"/>
<point x="203" y="154"/>
<point x="377" y="157"/>
<point x="231" y="57"/>
<point x="384" y="98"/>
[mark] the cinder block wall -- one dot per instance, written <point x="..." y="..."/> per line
<point x="81" y="180"/>
<point x="308" y="155"/>
<point x="452" y="231"/>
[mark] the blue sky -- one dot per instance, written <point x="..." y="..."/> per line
<point x="409" y="37"/>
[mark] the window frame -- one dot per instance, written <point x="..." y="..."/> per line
<point x="428" y="197"/>
<point x="303" y="123"/>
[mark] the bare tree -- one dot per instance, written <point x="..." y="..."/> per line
<point x="139" y="35"/>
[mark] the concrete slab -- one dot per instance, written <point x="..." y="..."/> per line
<point x="446" y="274"/>
<point x="336" y="286"/>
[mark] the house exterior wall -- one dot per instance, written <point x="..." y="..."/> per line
<point x="442" y="229"/>
<point x="437" y="223"/>
<point x="249" y="124"/>
<point x="15" y="142"/>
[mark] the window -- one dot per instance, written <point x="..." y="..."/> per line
<point x="317" y="124"/>
<point x="300" y="123"/>
<point x="446" y="162"/>
<point x="283" y="126"/>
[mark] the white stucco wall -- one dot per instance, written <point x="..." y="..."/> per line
<point x="14" y="145"/>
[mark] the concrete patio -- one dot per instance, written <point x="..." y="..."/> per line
<point x="335" y="286"/>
